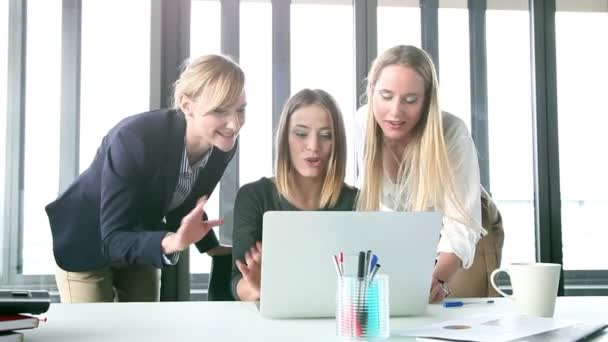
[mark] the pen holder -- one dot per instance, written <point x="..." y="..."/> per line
<point x="362" y="310"/>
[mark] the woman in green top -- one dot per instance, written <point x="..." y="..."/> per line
<point x="309" y="175"/>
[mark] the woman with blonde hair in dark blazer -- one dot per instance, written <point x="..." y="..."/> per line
<point x="141" y="202"/>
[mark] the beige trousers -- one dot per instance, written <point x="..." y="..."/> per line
<point x="132" y="283"/>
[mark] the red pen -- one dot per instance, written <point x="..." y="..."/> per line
<point x="337" y="265"/>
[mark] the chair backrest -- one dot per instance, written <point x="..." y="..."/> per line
<point x="219" y="278"/>
<point x="475" y="281"/>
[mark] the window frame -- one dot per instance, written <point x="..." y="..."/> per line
<point x="13" y="210"/>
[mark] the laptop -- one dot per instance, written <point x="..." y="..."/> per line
<point x="298" y="275"/>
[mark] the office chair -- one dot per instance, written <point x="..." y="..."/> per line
<point x="219" y="278"/>
<point x="475" y="282"/>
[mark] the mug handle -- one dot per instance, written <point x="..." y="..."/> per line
<point x="493" y="275"/>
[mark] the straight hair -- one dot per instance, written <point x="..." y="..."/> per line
<point x="424" y="178"/>
<point x="336" y="167"/>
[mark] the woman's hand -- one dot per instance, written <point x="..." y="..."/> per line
<point x="438" y="291"/>
<point x="445" y="266"/>
<point x="248" y="287"/>
<point x="192" y="229"/>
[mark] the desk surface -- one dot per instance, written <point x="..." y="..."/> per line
<point x="237" y="321"/>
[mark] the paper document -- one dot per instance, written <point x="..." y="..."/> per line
<point x="483" y="328"/>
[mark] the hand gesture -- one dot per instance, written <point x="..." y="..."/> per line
<point x="191" y="230"/>
<point x="251" y="269"/>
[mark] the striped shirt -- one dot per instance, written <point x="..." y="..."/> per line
<point x="185" y="182"/>
<point x="187" y="177"/>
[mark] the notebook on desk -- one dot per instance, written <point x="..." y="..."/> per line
<point x="298" y="277"/>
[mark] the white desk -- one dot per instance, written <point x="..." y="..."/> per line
<point x="235" y="321"/>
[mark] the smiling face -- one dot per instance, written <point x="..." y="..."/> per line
<point x="398" y="101"/>
<point x="208" y="124"/>
<point x="310" y="141"/>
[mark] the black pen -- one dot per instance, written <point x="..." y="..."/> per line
<point x="361" y="265"/>
<point x="360" y="294"/>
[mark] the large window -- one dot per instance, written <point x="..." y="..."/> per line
<point x="115" y="82"/>
<point x="324" y="59"/>
<point x="454" y="75"/>
<point x="510" y="129"/>
<point x="398" y="23"/>
<point x="42" y="112"/>
<point x="256" y="60"/>
<point x="205" y="34"/>
<point x="205" y="21"/>
<point x="115" y="70"/>
<point x="582" y="119"/>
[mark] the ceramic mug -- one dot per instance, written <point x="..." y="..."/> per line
<point x="534" y="287"/>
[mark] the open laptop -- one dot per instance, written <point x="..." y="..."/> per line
<point x="299" y="278"/>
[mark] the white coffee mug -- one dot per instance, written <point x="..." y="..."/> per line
<point x="534" y="287"/>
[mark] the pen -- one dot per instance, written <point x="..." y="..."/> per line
<point x="373" y="263"/>
<point x="337" y="265"/>
<point x="361" y="265"/>
<point x="361" y="312"/>
<point x="368" y="259"/>
<point x="374" y="271"/>
<point x="457" y="303"/>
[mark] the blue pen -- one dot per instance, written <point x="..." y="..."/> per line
<point x="373" y="263"/>
<point x="456" y="303"/>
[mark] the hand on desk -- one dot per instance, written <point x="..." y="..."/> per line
<point x="446" y="265"/>
<point x="249" y="286"/>
<point x="192" y="229"/>
<point x="437" y="291"/>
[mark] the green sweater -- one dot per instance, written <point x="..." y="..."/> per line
<point x="252" y="201"/>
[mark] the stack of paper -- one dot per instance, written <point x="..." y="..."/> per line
<point x="484" y="328"/>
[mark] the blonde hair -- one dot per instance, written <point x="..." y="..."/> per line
<point x="214" y="77"/>
<point x="336" y="167"/>
<point x="425" y="179"/>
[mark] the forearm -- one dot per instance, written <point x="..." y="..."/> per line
<point x="174" y="242"/>
<point x="447" y="264"/>
<point x="246" y="292"/>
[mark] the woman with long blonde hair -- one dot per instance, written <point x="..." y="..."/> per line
<point x="413" y="157"/>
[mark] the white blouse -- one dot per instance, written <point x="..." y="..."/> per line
<point x="456" y="237"/>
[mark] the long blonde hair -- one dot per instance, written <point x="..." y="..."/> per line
<point x="215" y="77"/>
<point x="336" y="167"/>
<point x="424" y="178"/>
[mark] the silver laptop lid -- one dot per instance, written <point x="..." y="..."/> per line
<point x="298" y="277"/>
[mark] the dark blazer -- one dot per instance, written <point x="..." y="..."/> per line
<point x="115" y="211"/>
